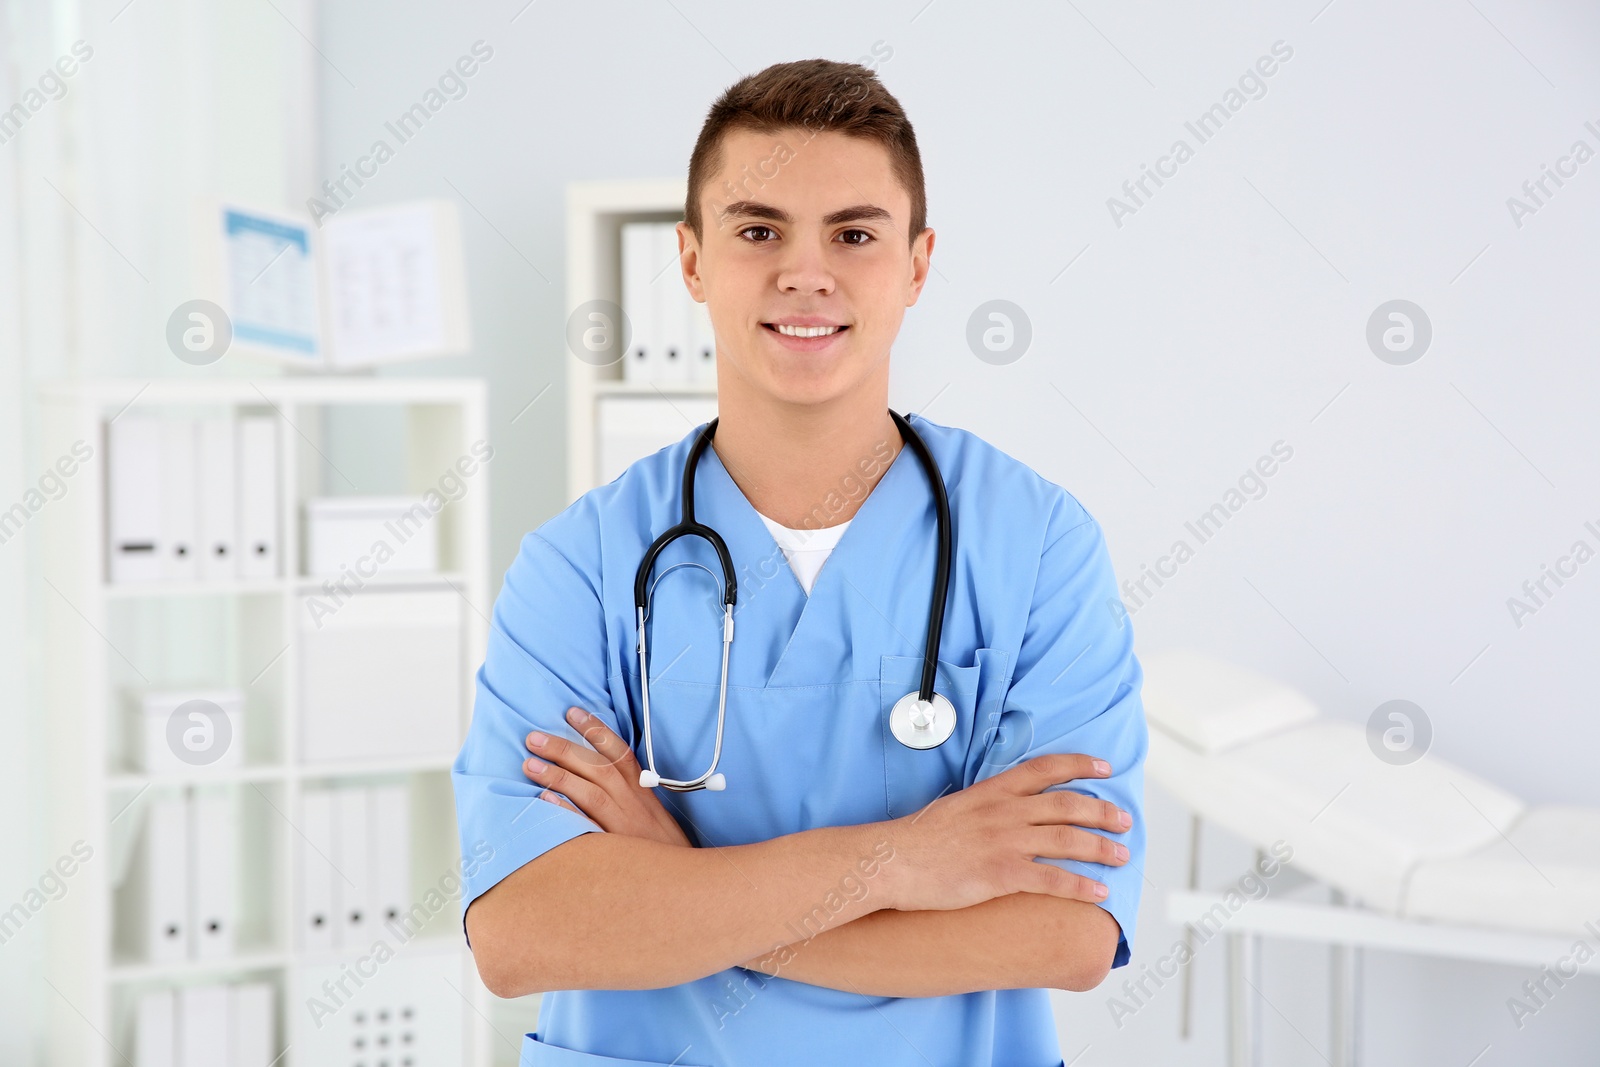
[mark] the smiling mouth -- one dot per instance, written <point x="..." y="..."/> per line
<point x="804" y="331"/>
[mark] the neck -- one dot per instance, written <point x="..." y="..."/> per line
<point x="806" y="466"/>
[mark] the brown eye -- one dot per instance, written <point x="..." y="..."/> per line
<point x="863" y="234"/>
<point x="747" y="231"/>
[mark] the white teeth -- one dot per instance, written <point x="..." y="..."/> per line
<point x="805" y="331"/>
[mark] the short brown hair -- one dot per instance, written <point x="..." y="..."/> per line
<point x="812" y="95"/>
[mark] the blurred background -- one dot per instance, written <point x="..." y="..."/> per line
<point x="1178" y="246"/>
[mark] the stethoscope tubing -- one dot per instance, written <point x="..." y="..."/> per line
<point x="688" y="527"/>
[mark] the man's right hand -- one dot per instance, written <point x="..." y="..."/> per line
<point x="971" y="846"/>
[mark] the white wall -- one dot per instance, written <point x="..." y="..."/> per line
<point x="1226" y="314"/>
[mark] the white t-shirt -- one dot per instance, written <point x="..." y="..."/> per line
<point x="806" y="550"/>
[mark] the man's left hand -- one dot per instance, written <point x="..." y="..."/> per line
<point x="600" y="782"/>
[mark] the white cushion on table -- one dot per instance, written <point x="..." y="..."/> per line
<point x="1545" y="878"/>
<point x="1353" y="820"/>
<point x="1215" y="705"/>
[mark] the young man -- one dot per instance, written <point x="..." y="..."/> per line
<point x="884" y="878"/>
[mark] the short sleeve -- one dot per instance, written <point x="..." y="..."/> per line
<point x="546" y="653"/>
<point x="1076" y="689"/>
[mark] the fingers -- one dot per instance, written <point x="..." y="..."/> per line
<point x="1076" y="809"/>
<point x="1050" y="769"/>
<point x="604" y="741"/>
<point x="604" y="755"/>
<point x="1072" y="843"/>
<point x="559" y="801"/>
<point x="1055" y="882"/>
<point x="589" y="796"/>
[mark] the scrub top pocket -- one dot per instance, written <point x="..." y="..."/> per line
<point x="536" y="1053"/>
<point x="913" y="778"/>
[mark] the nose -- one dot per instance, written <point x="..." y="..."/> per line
<point x="804" y="269"/>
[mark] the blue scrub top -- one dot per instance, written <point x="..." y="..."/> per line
<point x="1036" y="657"/>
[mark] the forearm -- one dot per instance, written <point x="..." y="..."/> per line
<point x="1020" y="941"/>
<point x="605" y="911"/>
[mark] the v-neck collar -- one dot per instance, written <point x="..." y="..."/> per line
<point x="851" y="569"/>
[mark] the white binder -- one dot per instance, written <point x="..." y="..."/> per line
<point x="315" y="848"/>
<point x="703" y="344"/>
<point x="203" y="1037"/>
<point x="638" y="299"/>
<point x="352" y="863"/>
<point x="250" y="1025"/>
<point x="134" y="448"/>
<point x="218" y="520"/>
<point x="156" y="1030"/>
<point x="179" y="517"/>
<point x="213" y="861"/>
<point x="672" y="304"/>
<point x="165" y="903"/>
<point x="257" y="492"/>
<point x="389" y="814"/>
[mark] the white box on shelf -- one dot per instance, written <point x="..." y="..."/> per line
<point x="370" y="535"/>
<point x="208" y="735"/>
<point x="628" y="428"/>
<point x="407" y="1004"/>
<point x="381" y="675"/>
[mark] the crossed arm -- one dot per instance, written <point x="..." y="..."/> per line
<point x="1053" y="936"/>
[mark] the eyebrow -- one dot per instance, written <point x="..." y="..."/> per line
<point x="754" y="209"/>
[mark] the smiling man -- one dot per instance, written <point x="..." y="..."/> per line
<point x="906" y="802"/>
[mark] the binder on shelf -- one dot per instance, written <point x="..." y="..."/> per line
<point x="218" y="518"/>
<point x="315" y="846"/>
<point x="257" y="494"/>
<point x="213" y="861"/>
<point x="179" y="515"/>
<point x="674" y="323"/>
<point x="389" y="814"/>
<point x="164" y="905"/>
<point x="155" y="1033"/>
<point x="203" y="1036"/>
<point x="638" y="299"/>
<point x="703" y="346"/>
<point x="134" y="447"/>
<point x="352" y="864"/>
<point x="250" y="1025"/>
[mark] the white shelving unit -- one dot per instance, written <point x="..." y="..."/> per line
<point x="100" y="637"/>
<point x="596" y="211"/>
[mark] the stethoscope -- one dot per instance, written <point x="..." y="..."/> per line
<point x="921" y="719"/>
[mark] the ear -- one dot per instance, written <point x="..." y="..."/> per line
<point x="689" y="261"/>
<point x="921" y="260"/>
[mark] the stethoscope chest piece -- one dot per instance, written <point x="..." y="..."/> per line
<point x="916" y="723"/>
